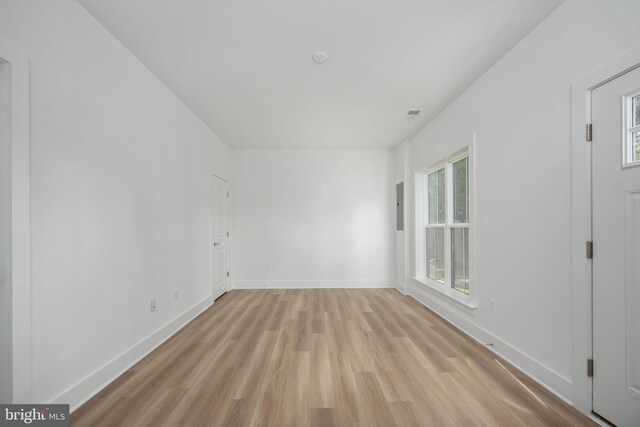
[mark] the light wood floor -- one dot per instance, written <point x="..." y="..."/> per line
<point x="369" y="357"/>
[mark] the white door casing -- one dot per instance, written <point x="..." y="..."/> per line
<point x="616" y="261"/>
<point x="219" y="237"/>
<point x="6" y="308"/>
<point x="15" y="132"/>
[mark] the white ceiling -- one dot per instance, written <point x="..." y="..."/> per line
<point x="244" y="66"/>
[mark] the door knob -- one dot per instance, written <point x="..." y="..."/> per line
<point x="215" y="244"/>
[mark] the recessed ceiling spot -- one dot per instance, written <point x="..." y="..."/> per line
<point x="320" y="57"/>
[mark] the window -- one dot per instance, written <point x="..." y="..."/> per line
<point x="435" y="225"/>
<point x="447" y="224"/>
<point x="632" y="128"/>
<point x="460" y="227"/>
<point x="443" y="226"/>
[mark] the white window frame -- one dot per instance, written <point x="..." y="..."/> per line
<point x="466" y="148"/>
<point x="628" y="129"/>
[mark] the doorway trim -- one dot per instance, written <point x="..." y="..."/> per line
<point x="581" y="221"/>
<point x="18" y="66"/>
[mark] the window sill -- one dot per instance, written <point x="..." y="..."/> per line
<point x="462" y="301"/>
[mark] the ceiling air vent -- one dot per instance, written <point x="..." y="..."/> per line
<point x="412" y="114"/>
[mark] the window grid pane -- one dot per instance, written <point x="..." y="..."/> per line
<point x="435" y="190"/>
<point x="435" y="253"/>
<point x="636" y="110"/>
<point x="460" y="191"/>
<point x="460" y="259"/>
<point x="635" y="138"/>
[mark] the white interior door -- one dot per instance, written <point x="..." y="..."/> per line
<point x="219" y="237"/>
<point x="616" y="240"/>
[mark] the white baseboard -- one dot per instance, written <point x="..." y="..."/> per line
<point x="88" y="387"/>
<point x="400" y="287"/>
<point x="311" y="284"/>
<point x="556" y="383"/>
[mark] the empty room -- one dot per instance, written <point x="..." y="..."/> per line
<point x="320" y="213"/>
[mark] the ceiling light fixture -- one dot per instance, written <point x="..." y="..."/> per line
<point x="320" y="57"/>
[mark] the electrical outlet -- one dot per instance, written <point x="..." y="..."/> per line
<point x="154" y="304"/>
<point x="268" y="264"/>
<point x="493" y="305"/>
<point x="175" y="294"/>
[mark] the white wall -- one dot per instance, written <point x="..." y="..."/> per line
<point x="520" y="111"/>
<point x="322" y="218"/>
<point x="120" y="196"/>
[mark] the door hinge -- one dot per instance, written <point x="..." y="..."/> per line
<point x="589" y="250"/>
<point x="227" y="194"/>
<point x="227" y="274"/>
<point x="589" y="132"/>
<point x="227" y="234"/>
<point x="590" y="367"/>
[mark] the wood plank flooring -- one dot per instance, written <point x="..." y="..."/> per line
<point x="368" y="357"/>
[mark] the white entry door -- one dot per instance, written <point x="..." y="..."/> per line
<point x="219" y="237"/>
<point x="616" y="249"/>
